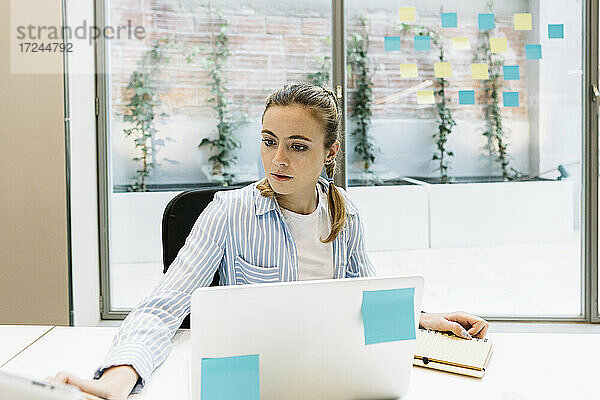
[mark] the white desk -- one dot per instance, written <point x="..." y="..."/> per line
<point x="82" y="350"/>
<point x="15" y="338"/>
<point x="523" y="366"/>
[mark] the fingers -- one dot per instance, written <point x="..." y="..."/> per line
<point x="85" y="385"/>
<point x="477" y="326"/>
<point x="61" y="377"/>
<point x="465" y="319"/>
<point x="479" y="329"/>
<point x="454" y="327"/>
<point x="483" y="332"/>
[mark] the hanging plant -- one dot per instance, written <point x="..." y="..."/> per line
<point x="359" y="69"/>
<point x="497" y="145"/>
<point x="142" y="108"/>
<point x="224" y="145"/>
<point x="446" y="122"/>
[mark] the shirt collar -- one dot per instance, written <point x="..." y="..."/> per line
<point x="263" y="205"/>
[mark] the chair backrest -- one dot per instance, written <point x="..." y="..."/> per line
<point x="178" y="220"/>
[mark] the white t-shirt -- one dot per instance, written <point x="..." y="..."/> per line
<point x="315" y="258"/>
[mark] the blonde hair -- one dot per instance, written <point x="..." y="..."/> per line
<point x="323" y="104"/>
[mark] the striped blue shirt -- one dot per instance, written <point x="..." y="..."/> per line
<point x="242" y="234"/>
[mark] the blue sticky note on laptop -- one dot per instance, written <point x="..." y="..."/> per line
<point x="486" y="22"/>
<point x="422" y="43"/>
<point x="466" y="97"/>
<point x="392" y="43"/>
<point x="533" y="51"/>
<point x="511" y="72"/>
<point x="230" y="378"/>
<point x="449" y="20"/>
<point x="511" y="99"/>
<point x="556" y="31"/>
<point x="388" y="315"/>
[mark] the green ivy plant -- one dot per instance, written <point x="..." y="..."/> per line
<point x="141" y="111"/>
<point x="225" y="143"/>
<point x="497" y="145"/>
<point x="446" y="122"/>
<point x="321" y="77"/>
<point x="359" y="68"/>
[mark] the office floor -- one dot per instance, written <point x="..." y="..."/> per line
<point x="529" y="279"/>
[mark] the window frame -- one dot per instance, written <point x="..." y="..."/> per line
<point x="590" y="162"/>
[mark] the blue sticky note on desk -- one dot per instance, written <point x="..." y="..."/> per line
<point x="449" y="20"/>
<point x="533" y="51"/>
<point x="388" y="315"/>
<point x="511" y="99"/>
<point x="511" y="72"/>
<point x="230" y="378"/>
<point x="466" y="97"/>
<point x="486" y="22"/>
<point x="392" y="43"/>
<point x="422" y="43"/>
<point x="556" y="31"/>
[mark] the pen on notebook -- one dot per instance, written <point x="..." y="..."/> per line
<point x="466" y="334"/>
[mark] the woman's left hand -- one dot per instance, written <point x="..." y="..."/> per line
<point x="460" y="323"/>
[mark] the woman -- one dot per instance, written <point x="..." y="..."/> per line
<point x="293" y="225"/>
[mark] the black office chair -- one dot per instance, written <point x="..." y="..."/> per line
<point x="178" y="220"/>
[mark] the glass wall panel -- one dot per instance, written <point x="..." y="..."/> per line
<point x="464" y="149"/>
<point x="201" y="73"/>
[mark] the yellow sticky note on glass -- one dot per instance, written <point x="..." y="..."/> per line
<point x="409" y="71"/>
<point x="407" y="14"/>
<point x="442" y="69"/>
<point x="479" y="71"/>
<point x="425" y="97"/>
<point x="522" y="22"/>
<point x="461" y="43"/>
<point x="498" y="45"/>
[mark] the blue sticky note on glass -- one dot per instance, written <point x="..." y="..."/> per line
<point x="556" y="31"/>
<point x="422" y="43"/>
<point x="449" y="20"/>
<point x="511" y="72"/>
<point x="392" y="43"/>
<point x="388" y="315"/>
<point x="511" y="99"/>
<point x="533" y="51"/>
<point x="466" y="97"/>
<point x="486" y="22"/>
<point x="230" y="378"/>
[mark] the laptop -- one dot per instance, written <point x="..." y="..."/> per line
<point x="15" y="387"/>
<point x="308" y="336"/>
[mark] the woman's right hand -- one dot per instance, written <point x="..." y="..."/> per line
<point x="115" y="384"/>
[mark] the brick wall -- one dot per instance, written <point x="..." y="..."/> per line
<point x="266" y="51"/>
<point x="269" y="50"/>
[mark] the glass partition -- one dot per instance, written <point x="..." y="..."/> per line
<point x="463" y="135"/>
<point x="184" y="107"/>
<point x="465" y="127"/>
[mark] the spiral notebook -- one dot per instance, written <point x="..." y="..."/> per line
<point x="446" y="352"/>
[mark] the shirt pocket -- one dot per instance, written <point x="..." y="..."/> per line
<point x="352" y="274"/>
<point x="249" y="273"/>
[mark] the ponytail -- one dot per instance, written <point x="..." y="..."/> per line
<point x="337" y="206"/>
